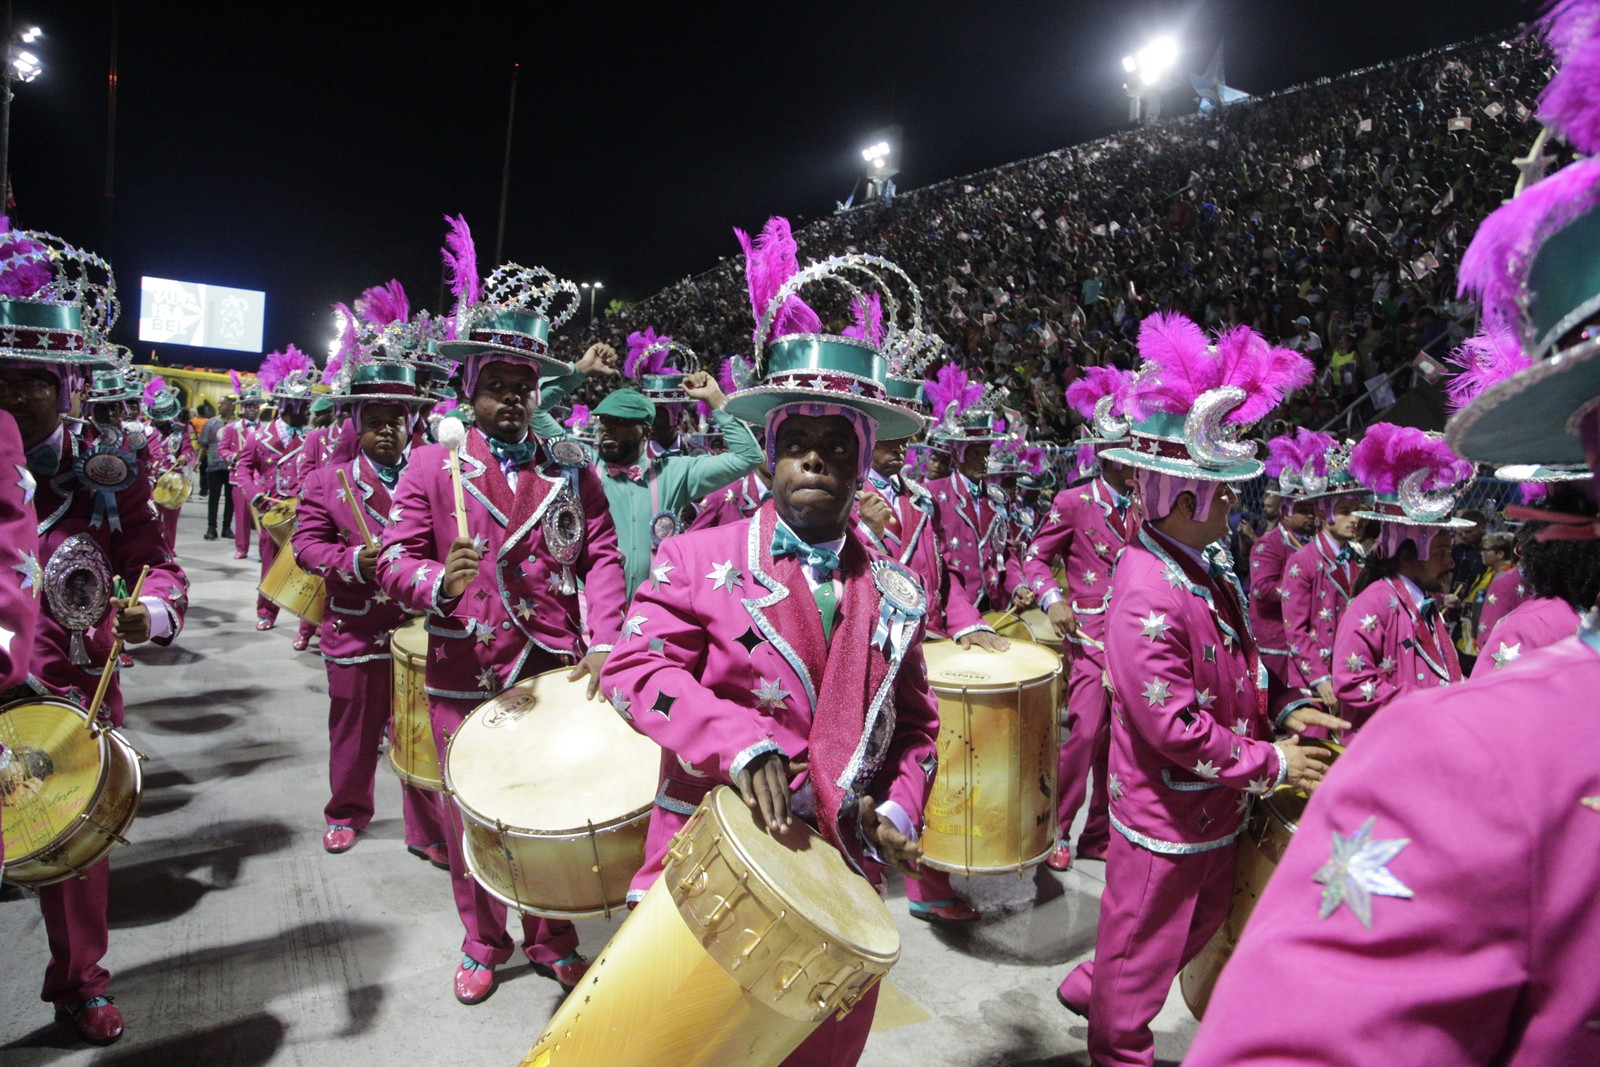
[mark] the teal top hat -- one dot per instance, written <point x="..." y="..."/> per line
<point x="1169" y="443"/>
<point x="806" y="365"/>
<point x="57" y="302"/>
<point x="646" y="365"/>
<point x="161" y="401"/>
<point x="963" y="410"/>
<point x="110" y="386"/>
<point x="510" y="314"/>
<point x="385" y="382"/>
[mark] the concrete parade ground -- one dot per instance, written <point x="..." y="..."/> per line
<point x="236" y="940"/>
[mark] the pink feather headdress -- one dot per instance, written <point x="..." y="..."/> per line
<point x="1571" y="101"/>
<point x="238" y="382"/>
<point x="1389" y="454"/>
<point x="1181" y="365"/>
<point x="647" y="354"/>
<point x="579" y="419"/>
<point x="384" y="305"/>
<point x="461" y="262"/>
<point x="1095" y="383"/>
<point x="1299" y="451"/>
<point x="951" y="394"/>
<point x="1485" y="359"/>
<point x="24" y="263"/>
<point x="770" y="260"/>
<point x="867" y="314"/>
<point x="735" y="374"/>
<point x="349" y="345"/>
<point x="279" y="365"/>
<point x="153" y="389"/>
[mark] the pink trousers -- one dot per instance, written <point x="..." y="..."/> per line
<point x="169" y="522"/>
<point x="265" y="609"/>
<point x="76" y="927"/>
<point x="1085" y="749"/>
<point x="544" y="940"/>
<point x="838" y="1042"/>
<point x="359" y="699"/>
<point x="241" y="520"/>
<point x="1157" y="912"/>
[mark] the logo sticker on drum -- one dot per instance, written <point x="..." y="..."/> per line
<point x="970" y="676"/>
<point x="508" y="710"/>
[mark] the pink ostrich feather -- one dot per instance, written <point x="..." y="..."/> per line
<point x="736" y="373"/>
<point x="461" y="262"/>
<point x="152" y="389"/>
<point x="1180" y="366"/>
<point x="1388" y="453"/>
<point x="1486" y="359"/>
<point x="24" y="263"/>
<point x="770" y="260"/>
<point x="349" y="343"/>
<point x="641" y="360"/>
<point x="1033" y="460"/>
<point x="383" y="305"/>
<point x="279" y="365"/>
<point x="579" y="417"/>
<point x="1496" y="262"/>
<point x="1571" y="101"/>
<point x="866" y="311"/>
<point x="1098" y="382"/>
<point x="238" y="382"/>
<point x="1296" y="450"/>
<point x="951" y="391"/>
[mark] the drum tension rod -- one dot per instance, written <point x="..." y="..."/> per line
<point x="599" y="878"/>
<point x="118" y="838"/>
<point x="725" y="904"/>
<point x="800" y="968"/>
<point x="755" y="943"/>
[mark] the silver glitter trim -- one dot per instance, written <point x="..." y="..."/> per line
<point x="1173" y="848"/>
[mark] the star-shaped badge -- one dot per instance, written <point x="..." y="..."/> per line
<point x="1356" y="661"/>
<point x="1357" y="870"/>
<point x="28" y="569"/>
<point x="1294" y="571"/>
<point x="526" y="609"/>
<point x="1240" y="727"/>
<point x="620" y="704"/>
<point x="1369" y="691"/>
<point x="1172" y="577"/>
<point x="725" y="575"/>
<point x="380" y="597"/>
<point x="488" y="680"/>
<point x="26" y="483"/>
<point x="1507" y="654"/>
<point x="480" y="545"/>
<point x="634" y="625"/>
<point x="1154" y="626"/>
<point x="392" y="553"/>
<point x="1091" y="577"/>
<point x="1204" y="769"/>
<point x="1157" y="693"/>
<point x="770" y="693"/>
<point x="1387" y="664"/>
<point x="420" y="575"/>
<point x="660" y="575"/>
<point x="1205" y="698"/>
<point x="1114" y="787"/>
<point x="1259" y="786"/>
<point x="485" y="632"/>
<point x="1369" y="623"/>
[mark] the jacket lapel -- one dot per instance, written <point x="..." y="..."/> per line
<point x="481" y="477"/>
<point x="792" y="625"/>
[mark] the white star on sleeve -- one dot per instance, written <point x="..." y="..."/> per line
<point x="1154" y="626"/>
<point x="1369" y="623"/>
<point x="420" y="576"/>
<point x="770" y="693"/>
<point x="1204" y="769"/>
<point x="1369" y="690"/>
<point x="634" y="625"/>
<point x="1157" y="693"/>
<point x="1357" y="870"/>
<point x="1507" y="654"/>
<point x="725" y="575"/>
<point x="1356" y="661"/>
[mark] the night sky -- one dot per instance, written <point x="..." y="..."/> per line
<point x="311" y="150"/>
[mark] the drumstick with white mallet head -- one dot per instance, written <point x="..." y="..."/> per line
<point x="453" y="434"/>
<point x="116" y="653"/>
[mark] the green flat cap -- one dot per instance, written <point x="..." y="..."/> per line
<point x="626" y="404"/>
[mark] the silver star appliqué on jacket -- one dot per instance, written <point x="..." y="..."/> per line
<point x="1358" y="870"/>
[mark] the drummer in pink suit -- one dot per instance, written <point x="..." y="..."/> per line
<point x="232" y="443"/>
<point x="172" y="445"/>
<point x="1561" y="576"/>
<point x="1392" y="637"/>
<point x="271" y="462"/>
<point x="360" y="618"/>
<point x="1191" y="738"/>
<point x="1269" y="558"/>
<point x="88" y="533"/>
<point x="503" y="600"/>
<point x="1085" y="529"/>
<point x="19" y="581"/>
<point x="1506" y="590"/>
<point x="783" y="654"/>
<point x="1437" y="905"/>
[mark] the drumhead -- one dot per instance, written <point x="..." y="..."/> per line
<point x="53" y="776"/>
<point x="810" y="874"/>
<point x="410" y="640"/>
<point x="952" y="667"/>
<point x="543" y="759"/>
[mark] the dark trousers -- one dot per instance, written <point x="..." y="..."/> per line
<point x="217" y="491"/>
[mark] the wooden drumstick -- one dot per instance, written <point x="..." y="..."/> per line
<point x="355" y="509"/>
<point x="116" y="653"/>
<point x="453" y="434"/>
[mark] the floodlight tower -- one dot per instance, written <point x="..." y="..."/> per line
<point x="1147" y="71"/>
<point x="21" y="65"/>
<point x="882" y="158"/>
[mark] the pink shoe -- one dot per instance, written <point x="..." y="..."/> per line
<point x="434" y="854"/>
<point x="300" y="642"/>
<point x="567" y="972"/>
<point x="1065" y="1003"/>
<point x="338" y="839"/>
<point x="474" y="981"/>
<point x="944" y="912"/>
<point x="1060" y="858"/>
<point x="263" y="623"/>
<point x="96" y="1020"/>
<point x="240" y="555"/>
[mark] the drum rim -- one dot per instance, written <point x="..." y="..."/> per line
<point x="104" y="739"/>
<point x="521" y="907"/>
<point x="986" y="687"/>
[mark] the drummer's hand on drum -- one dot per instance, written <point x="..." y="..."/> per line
<point x="1063" y="619"/>
<point x="1302" y="717"/>
<point x="132" y="621"/>
<point x="1022" y="598"/>
<point x="874" y="511"/>
<point x="986" y="640"/>
<point x="1325" y="694"/>
<point x="367" y="562"/>
<point x="898" y="850"/>
<point x="764" y="785"/>
<point x="460" y="567"/>
<point x="589" y="667"/>
<point x="1307" y="764"/>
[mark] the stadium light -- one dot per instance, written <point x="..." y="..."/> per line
<point x="1147" y="71"/>
<point x="592" y="291"/>
<point x="1156" y="59"/>
<point x="19" y="65"/>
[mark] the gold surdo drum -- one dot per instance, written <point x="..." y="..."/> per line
<point x="279" y="520"/>
<point x="292" y="589"/>
<point x="171" y="490"/>
<point x="992" y="808"/>
<point x="555" y="792"/>
<point x="1273" y="824"/>
<point x="741" y="948"/>
<point x="67" y="793"/>
<point x="1032" y="625"/>
<point x="412" y="752"/>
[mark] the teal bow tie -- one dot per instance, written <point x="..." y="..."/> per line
<point x="518" y="453"/>
<point x="1346" y="555"/>
<point x="295" y="432"/>
<point x="43" y="461"/>
<point x="785" y="543"/>
<point x="389" y="475"/>
<point x="1429" y="608"/>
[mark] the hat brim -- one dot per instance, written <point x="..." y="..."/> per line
<point x="755" y="404"/>
<point x="1328" y="494"/>
<point x="407" y="399"/>
<point x="1395" y="520"/>
<point x="548" y="366"/>
<point x="1524" y="418"/>
<point x="1238" y="472"/>
<point x="1537" y="474"/>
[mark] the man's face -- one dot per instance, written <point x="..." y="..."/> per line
<point x="323" y="418"/>
<point x="384" y="429"/>
<point x="938" y="465"/>
<point x="225" y="407"/>
<point x="1473" y="535"/>
<point x="889" y="457"/>
<point x="1435" y="571"/>
<point x="814" y="477"/>
<point x="1118" y="476"/>
<point x="503" y="400"/>
<point x="252" y="410"/>
<point x="975" y="461"/>
<point x="621" y="440"/>
<point x="1271" y="506"/>
<point x="30" y="397"/>
<point x="1215" y="526"/>
<point x="1344" y="525"/>
<point x="1302" y="517"/>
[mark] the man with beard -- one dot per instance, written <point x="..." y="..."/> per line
<point x="647" y="494"/>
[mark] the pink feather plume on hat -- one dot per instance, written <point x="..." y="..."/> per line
<point x="279" y="365"/>
<point x="867" y="312"/>
<point x="770" y="260"/>
<point x="1388" y="453"/>
<point x="1180" y="365"/>
<point x="383" y="305"/>
<point x="1098" y="382"/>
<point x="461" y="262"/>
<point x="24" y="263"/>
<point x="1485" y="359"/>
<point x="238" y="382"/>
<point x="349" y="343"/>
<point x="641" y="360"/>
<point x="951" y="391"/>
<point x="579" y="417"/>
<point x="1296" y="450"/>
<point x="1571" y="101"/>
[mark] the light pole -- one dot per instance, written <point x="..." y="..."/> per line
<point x="21" y="66"/>
<point x="592" y="291"/>
<point x="882" y="157"/>
<point x="1147" y="70"/>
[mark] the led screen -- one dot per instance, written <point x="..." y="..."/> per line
<point x="206" y="316"/>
